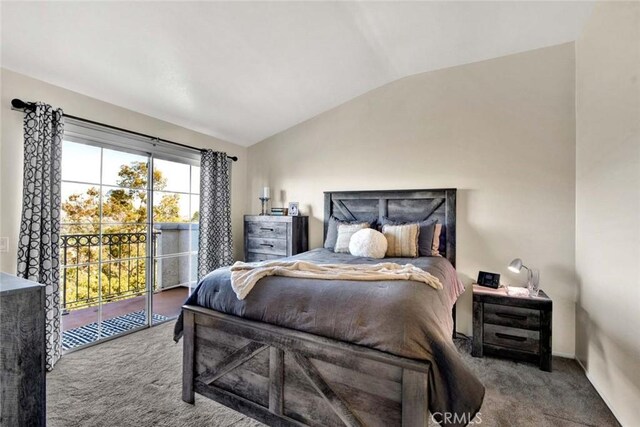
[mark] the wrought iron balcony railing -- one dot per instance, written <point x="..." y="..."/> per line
<point x="103" y="267"/>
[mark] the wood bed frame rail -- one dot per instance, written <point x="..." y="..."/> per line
<point x="289" y="378"/>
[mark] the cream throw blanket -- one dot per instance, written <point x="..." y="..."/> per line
<point x="244" y="276"/>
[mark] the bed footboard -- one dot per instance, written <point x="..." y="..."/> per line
<point x="284" y="377"/>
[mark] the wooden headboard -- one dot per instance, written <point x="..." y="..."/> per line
<point x="408" y="205"/>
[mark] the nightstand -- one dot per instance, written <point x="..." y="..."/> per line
<point x="268" y="237"/>
<point x="514" y="327"/>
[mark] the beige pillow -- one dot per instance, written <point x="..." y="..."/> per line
<point x="402" y="240"/>
<point x="435" y="248"/>
<point x="345" y="231"/>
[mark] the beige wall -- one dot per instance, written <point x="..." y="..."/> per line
<point x="14" y="85"/>
<point x="502" y="131"/>
<point x="608" y="205"/>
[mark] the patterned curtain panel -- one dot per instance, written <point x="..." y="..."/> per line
<point x="215" y="246"/>
<point x="38" y="246"/>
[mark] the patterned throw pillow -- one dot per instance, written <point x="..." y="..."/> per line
<point x="426" y="239"/>
<point x="332" y="229"/>
<point x="402" y="240"/>
<point x="345" y="231"/>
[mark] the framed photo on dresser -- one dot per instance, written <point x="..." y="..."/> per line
<point x="294" y="209"/>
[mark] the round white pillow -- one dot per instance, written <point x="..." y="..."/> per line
<point x="368" y="243"/>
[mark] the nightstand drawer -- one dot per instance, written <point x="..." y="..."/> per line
<point x="258" y="257"/>
<point x="267" y="246"/>
<point x="517" y="317"/>
<point x="268" y="230"/>
<point x="520" y="339"/>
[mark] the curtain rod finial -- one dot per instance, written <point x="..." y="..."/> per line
<point x="19" y="104"/>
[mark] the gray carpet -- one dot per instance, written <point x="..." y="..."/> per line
<point x="135" y="381"/>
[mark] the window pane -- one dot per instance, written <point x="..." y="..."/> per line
<point x="171" y="176"/>
<point x="193" y="272"/>
<point x="76" y="249"/>
<point x="123" y="278"/>
<point x="80" y="205"/>
<point x="170" y="207"/>
<point x="194" y="237"/>
<point x="74" y="229"/>
<point x="80" y="286"/>
<point x="173" y="271"/>
<point x="124" y="169"/>
<point x="195" y="209"/>
<point x="121" y="242"/>
<point x="80" y="162"/>
<point x="170" y="288"/>
<point x="195" y="179"/>
<point x="124" y="205"/>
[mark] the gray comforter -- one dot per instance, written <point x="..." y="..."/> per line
<point x="405" y="318"/>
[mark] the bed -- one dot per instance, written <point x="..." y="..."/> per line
<point x="332" y="353"/>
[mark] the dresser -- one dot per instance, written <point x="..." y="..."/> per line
<point x="22" y="352"/>
<point x="269" y="237"/>
<point x="514" y="327"/>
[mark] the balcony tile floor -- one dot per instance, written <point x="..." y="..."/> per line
<point x="121" y="314"/>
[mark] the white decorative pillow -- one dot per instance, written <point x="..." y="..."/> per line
<point x="368" y="243"/>
<point x="345" y="231"/>
<point x="402" y="240"/>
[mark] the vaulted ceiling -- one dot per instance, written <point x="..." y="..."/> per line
<point x="243" y="71"/>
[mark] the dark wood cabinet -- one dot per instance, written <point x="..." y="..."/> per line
<point x="514" y="327"/>
<point x="269" y="237"/>
<point x="22" y="352"/>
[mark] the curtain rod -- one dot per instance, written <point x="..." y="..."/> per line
<point x="20" y="105"/>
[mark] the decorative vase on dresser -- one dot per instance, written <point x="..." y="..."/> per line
<point x="269" y="237"/>
<point x="22" y="352"/>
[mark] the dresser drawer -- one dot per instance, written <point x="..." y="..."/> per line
<point x="267" y="230"/>
<point x="270" y="237"/>
<point x="519" y="339"/>
<point x="267" y="246"/>
<point x="258" y="257"/>
<point x="517" y="317"/>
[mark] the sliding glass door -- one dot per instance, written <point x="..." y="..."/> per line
<point x="105" y="230"/>
<point x="175" y="222"/>
<point x="128" y="240"/>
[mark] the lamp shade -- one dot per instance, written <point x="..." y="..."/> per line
<point x="516" y="265"/>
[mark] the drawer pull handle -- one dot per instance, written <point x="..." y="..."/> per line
<point x="266" y="229"/>
<point x="511" y="316"/>
<point x="510" y="337"/>
<point x="266" y="244"/>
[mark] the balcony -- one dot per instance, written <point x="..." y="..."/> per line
<point x="104" y="276"/>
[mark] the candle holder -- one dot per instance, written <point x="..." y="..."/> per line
<point x="264" y="201"/>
